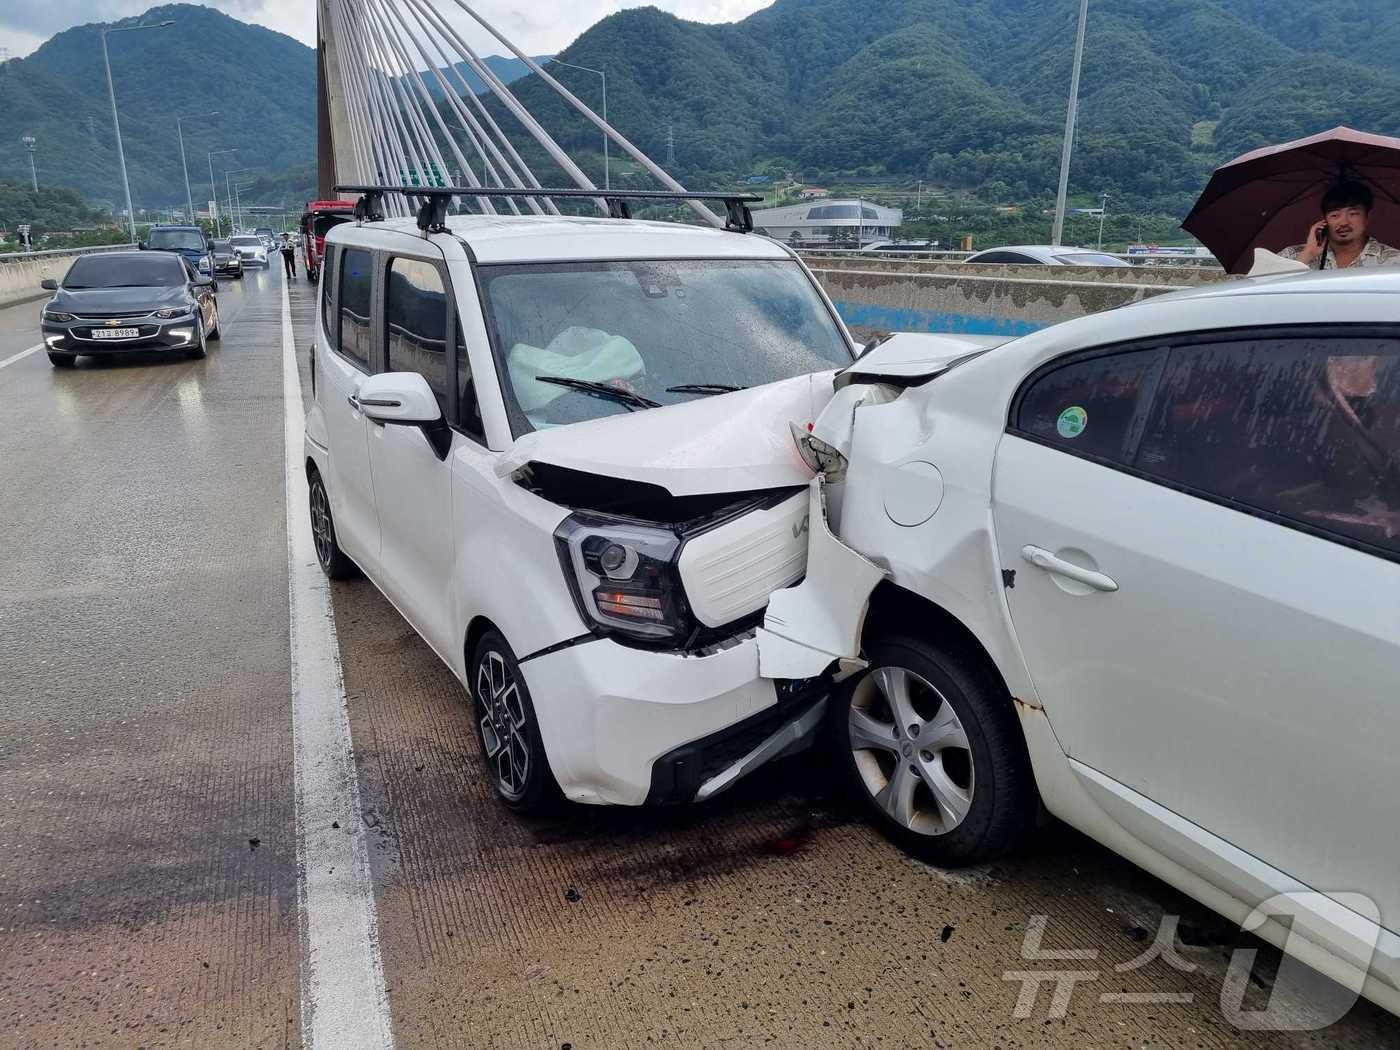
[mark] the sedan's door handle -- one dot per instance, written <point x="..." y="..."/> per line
<point x="1043" y="559"/>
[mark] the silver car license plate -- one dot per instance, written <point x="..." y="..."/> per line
<point x="115" y="333"/>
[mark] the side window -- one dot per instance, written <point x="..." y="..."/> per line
<point x="468" y="407"/>
<point x="415" y="322"/>
<point x="356" y="283"/>
<point x="327" y="287"/>
<point x="1305" y="428"/>
<point x="1090" y="406"/>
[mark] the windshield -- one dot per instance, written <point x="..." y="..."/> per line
<point x="247" y="242"/>
<point x="222" y="246"/>
<point x="176" y="240"/>
<point x="125" y="270"/>
<point x="325" y="221"/>
<point x="647" y="328"/>
<point x="1089" y="259"/>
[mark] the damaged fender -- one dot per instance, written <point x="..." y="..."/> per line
<point x="819" y="621"/>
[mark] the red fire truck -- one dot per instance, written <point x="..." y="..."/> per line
<point x="319" y="217"/>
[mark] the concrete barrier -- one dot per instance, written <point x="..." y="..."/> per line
<point x="1174" y="276"/>
<point x="886" y="300"/>
<point x="21" y="272"/>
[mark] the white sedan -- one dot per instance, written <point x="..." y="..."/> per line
<point x="1143" y="568"/>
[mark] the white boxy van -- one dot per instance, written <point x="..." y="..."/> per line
<point x="561" y="447"/>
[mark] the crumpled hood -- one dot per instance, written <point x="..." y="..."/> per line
<point x="908" y="357"/>
<point x="725" y="443"/>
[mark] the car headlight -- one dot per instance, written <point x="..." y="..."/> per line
<point x="624" y="577"/>
<point x="204" y="265"/>
<point x="58" y="316"/>
<point x="172" y="311"/>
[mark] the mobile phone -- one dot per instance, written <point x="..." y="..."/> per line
<point x="1322" y="236"/>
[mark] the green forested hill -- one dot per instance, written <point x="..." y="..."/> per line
<point x="972" y="92"/>
<point x="261" y="83"/>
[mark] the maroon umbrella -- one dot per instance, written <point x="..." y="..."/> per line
<point x="1270" y="198"/>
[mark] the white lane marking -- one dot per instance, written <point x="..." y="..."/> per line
<point x="343" y="1000"/>
<point x="21" y="355"/>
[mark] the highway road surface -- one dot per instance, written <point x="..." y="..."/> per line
<point x="160" y="885"/>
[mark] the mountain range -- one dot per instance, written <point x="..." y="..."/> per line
<point x="961" y="93"/>
<point x="233" y="84"/>
<point x="972" y="93"/>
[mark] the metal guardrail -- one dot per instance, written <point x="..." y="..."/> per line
<point x="16" y="257"/>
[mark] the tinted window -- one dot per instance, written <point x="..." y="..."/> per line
<point x="1088" y="406"/>
<point x="173" y="240"/>
<point x="125" y="270"/>
<point x="1001" y="257"/>
<point x="327" y="286"/>
<point x="246" y="242"/>
<point x="356" y="281"/>
<point x="222" y="246"/>
<point x="648" y="327"/>
<point x="415" y="323"/>
<point x="468" y="407"/>
<point x="1304" y="428"/>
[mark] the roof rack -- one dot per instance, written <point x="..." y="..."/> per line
<point x="432" y="201"/>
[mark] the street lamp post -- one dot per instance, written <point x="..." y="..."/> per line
<point x="1059" y="228"/>
<point x="116" y="121"/>
<point x="1103" y="210"/>
<point x="607" y="182"/>
<point x="189" y="195"/>
<point x="235" y="218"/>
<point x="214" y="188"/>
<point x="29" y="141"/>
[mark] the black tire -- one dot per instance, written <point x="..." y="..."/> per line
<point x="217" y="332"/>
<point x="62" y="360"/>
<point x="991" y="776"/>
<point x="335" y="563"/>
<point x="507" y="729"/>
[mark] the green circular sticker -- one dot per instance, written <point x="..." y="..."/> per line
<point x="1072" y="422"/>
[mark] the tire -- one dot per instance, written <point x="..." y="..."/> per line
<point x="201" y="347"/>
<point x="507" y="729"/>
<point x="62" y="360"/>
<point x="335" y="563"/>
<point x="216" y="333"/>
<point x="964" y="793"/>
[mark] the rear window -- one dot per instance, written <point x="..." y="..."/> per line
<point x="125" y="270"/>
<point x="176" y="240"/>
<point x="246" y="242"/>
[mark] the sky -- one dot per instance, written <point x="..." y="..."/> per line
<point x="536" y="26"/>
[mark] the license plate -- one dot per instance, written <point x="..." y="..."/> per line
<point x="115" y="333"/>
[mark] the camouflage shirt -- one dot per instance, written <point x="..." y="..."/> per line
<point x="1374" y="254"/>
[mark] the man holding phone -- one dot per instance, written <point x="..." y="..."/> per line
<point x="1339" y="239"/>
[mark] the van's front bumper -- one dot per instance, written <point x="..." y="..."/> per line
<point x="627" y="726"/>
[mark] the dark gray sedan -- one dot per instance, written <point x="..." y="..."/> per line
<point x="116" y="302"/>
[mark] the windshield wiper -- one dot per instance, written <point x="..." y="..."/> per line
<point x="604" y="390"/>
<point x="704" y="388"/>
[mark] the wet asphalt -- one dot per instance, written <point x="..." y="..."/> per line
<point x="148" y="881"/>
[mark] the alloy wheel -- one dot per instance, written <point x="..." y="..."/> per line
<point x="504" y="726"/>
<point x="911" y="751"/>
<point x="321" y="530"/>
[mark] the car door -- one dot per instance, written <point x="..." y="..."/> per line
<point x="347" y="338"/>
<point x="408" y="464"/>
<point x="1207" y="544"/>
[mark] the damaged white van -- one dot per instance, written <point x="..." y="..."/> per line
<point x="560" y="446"/>
<point x="1143" y="568"/>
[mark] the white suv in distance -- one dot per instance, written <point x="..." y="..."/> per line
<point x="561" y="447"/>
<point x="1144" y="565"/>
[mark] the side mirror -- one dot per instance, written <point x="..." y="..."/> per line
<point x="398" y="397"/>
<point x="49" y="284"/>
